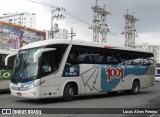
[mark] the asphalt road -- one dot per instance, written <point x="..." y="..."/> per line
<point x="147" y="98"/>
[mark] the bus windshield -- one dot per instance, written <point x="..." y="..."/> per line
<point x="24" y="67"/>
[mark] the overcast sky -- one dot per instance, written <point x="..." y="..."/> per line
<point x="147" y="11"/>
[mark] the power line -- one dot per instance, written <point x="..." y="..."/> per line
<point x="77" y="18"/>
<point x="65" y="11"/>
<point x="69" y="13"/>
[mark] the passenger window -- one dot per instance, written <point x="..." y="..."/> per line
<point x="49" y="63"/>
<point x="2" y="59"/>
<point x="46" y="68"/>
<point x="84" y="58"/>
<point x="138" y="61"/>
<point x="125" y="59"/>
<point x="151" y="61"/>
<point x="97" y="58"/>
<point x="111" y="60"/>
<point x="146" y="62"/>
<point x="11" y="62"/>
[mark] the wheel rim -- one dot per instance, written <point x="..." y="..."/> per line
<point x="71" y="91"/>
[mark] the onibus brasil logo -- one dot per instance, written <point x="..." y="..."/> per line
<point x="5" y="74"/>
<point x="115" y="73"/>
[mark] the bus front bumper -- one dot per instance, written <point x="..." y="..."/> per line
<point x="32" y="93"/>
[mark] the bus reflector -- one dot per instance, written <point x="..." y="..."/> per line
<point x="108" y="47"/>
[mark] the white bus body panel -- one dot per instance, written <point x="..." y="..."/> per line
<point x="4" y="84"/>
<point x="90" y="79"/>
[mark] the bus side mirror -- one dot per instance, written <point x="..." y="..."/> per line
<point x="9" y="56"/>
<point x="39" y="52"/>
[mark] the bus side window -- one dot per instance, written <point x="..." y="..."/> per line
<point x="46" y="66"/>
<point x="49" y="63"/>
<point x="111" y="60"/>
<point x="146" y="62"/>
<point x="151" y="61"/>
<point x="87" y="59"/>
<point x="2" y="59"/>
<point x="11" y="62"/>
<point x="125" y="59"/>
<point x="138" y="61"/>
<point x="96" y="58"/>
<point x="84" y="58"/>
<point x="70" y="61"/>
<point x="81" y="58"/>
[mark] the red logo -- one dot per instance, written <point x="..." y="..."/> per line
<point x="115" y="73"/>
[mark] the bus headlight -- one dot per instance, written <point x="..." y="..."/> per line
<point x="26" y="85"/>
<point x="35" y="84"/>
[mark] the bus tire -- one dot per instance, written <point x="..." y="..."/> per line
<point x="68" y="93"/>
<point x="135" y="87"/>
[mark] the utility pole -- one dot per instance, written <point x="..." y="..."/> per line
<point x="57" y="16"/>
<point x="129" y="30"/>
<point x="72" y="34"/>
<point x="100" y="27"/>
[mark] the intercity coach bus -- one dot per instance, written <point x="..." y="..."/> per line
<point x="65" y="68"/>
<point x="6" y="71"/>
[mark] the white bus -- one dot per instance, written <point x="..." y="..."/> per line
<point x="6" y="71"/>
<point x="64" y="68"/>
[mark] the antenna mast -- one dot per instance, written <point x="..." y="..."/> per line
<point x="130" y="31"/>
<point x="100" y="27"/>
<point x="58" y="16"/>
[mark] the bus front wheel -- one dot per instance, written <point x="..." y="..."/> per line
<point x="68" y="93"/>
<point x="135" y="87"/>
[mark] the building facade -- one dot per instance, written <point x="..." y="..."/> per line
<point x="152" y="48"/>
<point x="15" y="36"/>
<point x="57" y="33"/>
<point x="25" y="19"/>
